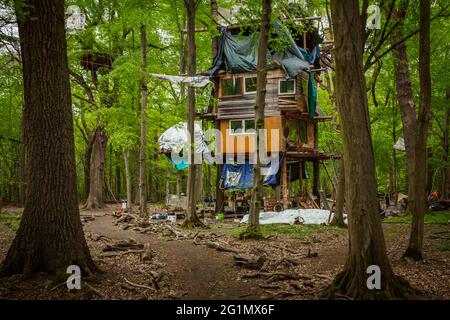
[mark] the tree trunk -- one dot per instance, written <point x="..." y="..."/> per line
<point x="415" y="129"/>
<point x="136" y="182"/>
<point x="118" y="178"/>
<point x="179" y="182"/>
<point x="126" y="158"/>
<point x="167" y="186"/>
<point x="415" y="245"/>
<point x="445" y="189"/>
<point x="97" y="168"/>
<point x="86" y="168"/>
<point x="192" y="219"/>
<point x="256" y="204"/>
<point x="22" y="169"/>
<point x="143" y="147"/>
<point x="338" y="218"/>
<point x="219" y="194"/>
<point x="50" y="237"/>
<point x="366" y="240"/>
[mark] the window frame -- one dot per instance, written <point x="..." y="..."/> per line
<point x="232" y="133"/>
<point x="245" y="90"/>
<point x="287" y="93"/>
<point x="233" y="95"/>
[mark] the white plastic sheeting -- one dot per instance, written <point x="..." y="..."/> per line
<point x="175" y="139"/>
<point x="196" y="82"/>
<point x="306" y="216"/>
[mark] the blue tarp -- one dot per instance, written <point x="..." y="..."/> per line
<point x="240" y="176"/>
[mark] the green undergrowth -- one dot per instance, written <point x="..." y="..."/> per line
<point x="432" y="217"/>
<point x="303" y="232"/>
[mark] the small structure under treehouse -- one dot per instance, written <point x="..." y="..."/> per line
<point x="290" y="106"/>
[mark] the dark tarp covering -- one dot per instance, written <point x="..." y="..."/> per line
<point x="240" y="176"/>
<point x="240" y="53"/>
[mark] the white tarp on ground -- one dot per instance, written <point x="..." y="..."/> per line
<point x="306" y="216"/>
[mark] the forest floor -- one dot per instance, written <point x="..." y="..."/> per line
<point x="292" y="262"/>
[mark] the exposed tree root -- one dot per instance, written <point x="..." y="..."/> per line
<point x="413" y="253"/>
<point x="352" y="285"/>
<point x="192" y="223"/>
<point x="251" y="232"/>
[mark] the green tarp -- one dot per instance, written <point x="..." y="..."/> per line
<point x="239" y="53"/>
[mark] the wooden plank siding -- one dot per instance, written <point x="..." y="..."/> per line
<point x="241" y="106"/>
<point x="244" y="143"/>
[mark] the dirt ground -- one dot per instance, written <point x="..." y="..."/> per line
<point x="187" y="265"/>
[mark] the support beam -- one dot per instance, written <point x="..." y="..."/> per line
<point x="284" y="184"/>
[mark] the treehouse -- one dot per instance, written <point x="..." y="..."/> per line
<point x="291" y="112"/>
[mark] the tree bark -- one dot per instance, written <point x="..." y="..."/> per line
<point x="445" y="189"/>
<point x="256" y="204"/>
<point x="86" y="168"/>
<point x="50" y="236"/>
<point x="415" y="126"/>
<point x="22" y="169"/>
<point x="179" y="186"/>
<point x="126" y="158"/>
<point x="192" y="219"/>
<point x="95" y="199"/>
<point x="219" y="194"/>
<point x="366" y="240"/>
<point x="338" y="218"/>
<point x="143" y="147"/>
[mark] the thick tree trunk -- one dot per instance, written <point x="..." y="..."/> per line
<point x="22" y="171"/>
<point x="50" y="237"/>
<point x="415" y="245"/>
<point x="256" y="204"/>
<point x="415" y="129"/>
<point x="338" y="218"/>
<point x="366" y="239"/>
<point x="97" y="167"/>
<point x="95" y="198"/>
<point x="192" y="219"/>
<point x="126" y="158"/>
<point x="143" y="147"/>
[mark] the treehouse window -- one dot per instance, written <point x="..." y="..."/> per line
<point x="286" y="87"/>
<point x="232" y="87"/>
<point x="242" y="126"/>
<point x="250" y="85"/>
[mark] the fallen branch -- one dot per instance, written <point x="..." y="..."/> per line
<point x="276" y="276"/>
<point x="110" y="254"/>
<point x="101" y="295"/>
<point x="138" y="285"/>
<point x="219" y="247"/>
<point x="282" y="248"/>
<point x="249" y="262"/>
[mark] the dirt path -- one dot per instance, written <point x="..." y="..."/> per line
<point x="201" y="272"/>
